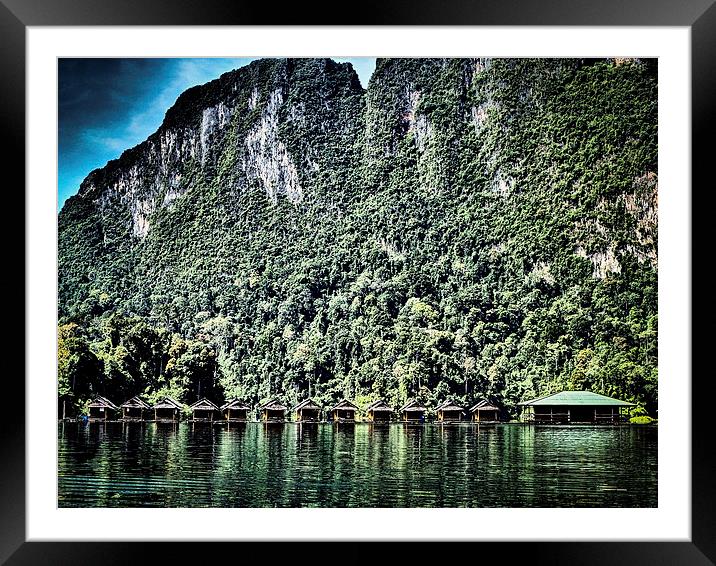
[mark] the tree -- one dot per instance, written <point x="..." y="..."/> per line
<point x="77" y="367"/>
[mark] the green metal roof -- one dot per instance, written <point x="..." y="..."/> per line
<point x="585" y="398"/>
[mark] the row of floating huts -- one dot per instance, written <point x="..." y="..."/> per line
<point x="168" y="409"/>
<point x="558" y="408"/>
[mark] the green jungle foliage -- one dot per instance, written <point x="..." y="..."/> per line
<point x="465" y="228"/>
<point x="644" y="419"/>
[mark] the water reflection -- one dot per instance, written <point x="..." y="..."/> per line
<point x="355" y="465"/>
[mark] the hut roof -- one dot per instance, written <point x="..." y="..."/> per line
<point x="100" y="401"/>
<point x="204" y="405"/>
<point x="307" y="404"/>
<point x="483" y="406"/>
<point x="584" y="398"/>
<point x="413" y="405"/>
<point x="167" y="403"/>
<point x="135" y="403"/>
<point x="273" y="405"/>
<point x="378" y="406"/>
<point x="344" y="404"/>
<point x="449" y="405"/>
<point x="235" y="404"/>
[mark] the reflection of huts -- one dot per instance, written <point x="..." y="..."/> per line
<point x="484" y="412"/>
<point x="167" y="409"/>
<point x="449" y="411"/>
<point x="574" y="407"/>
<point x="133" y="409"/>
<point x="203" y="410"/>
<point x="273" y="410"/>
<point x="307" y="411"/>
<point x="344" y="411"/>
<point x="379" y="411"/>
<point x="100" y="409"/>
<point x="412" y="411"/>
<point x="235" y="410"/>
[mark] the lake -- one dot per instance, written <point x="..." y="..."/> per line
<point x="361" y="465"/>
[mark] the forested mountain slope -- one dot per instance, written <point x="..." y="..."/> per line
<point x="464" y="227"/>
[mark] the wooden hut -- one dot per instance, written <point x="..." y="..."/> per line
<point x="134" y="409"/>
<point x="235" y="411"/>
<point x="344" y="411"/>
<point x="203" y="410"/>
<point x="484" y="412"/>
<point x="413" y="411"/>
<point x="449" y="411"/>
<point x="379" y="412"/>
<point x="273" y="411"/>
<point x="308" y="411"/>
<point x="167" y="410"/>
<point x="101" y="409"/>
<point x="574" y="407"/>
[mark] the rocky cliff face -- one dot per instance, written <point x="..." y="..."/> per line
<point x="514" y="200"/>
<point x="236" y="117"/>
<point x="237" y="130"/>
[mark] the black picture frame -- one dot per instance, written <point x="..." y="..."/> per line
<point x="698" y="15"/>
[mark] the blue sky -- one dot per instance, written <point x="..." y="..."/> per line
<point x="108" y="105"/>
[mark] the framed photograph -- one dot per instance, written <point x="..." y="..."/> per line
<point x="396" y="281"/>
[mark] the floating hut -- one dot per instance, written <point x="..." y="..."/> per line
<point x="449" y="411"/>
<point x="413" y="411"/>
<point x="203" y="410"/>
<point x="167" y="410"/>
<point x="574" y="407"/>
<point x="307" y="411"/>
<point x="133" y="409"/>
<point x="235" y="411"/>
<point x="484" y="412"/>
<point x="273" y="411"/>
<point x="101" y="409"/>
<point x="379" y="412"/>
<point x="345" y="411"/>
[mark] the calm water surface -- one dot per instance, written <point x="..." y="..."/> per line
<point x="361" y="465"/>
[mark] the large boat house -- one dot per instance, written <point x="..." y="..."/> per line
<point x="574" y="407"/>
